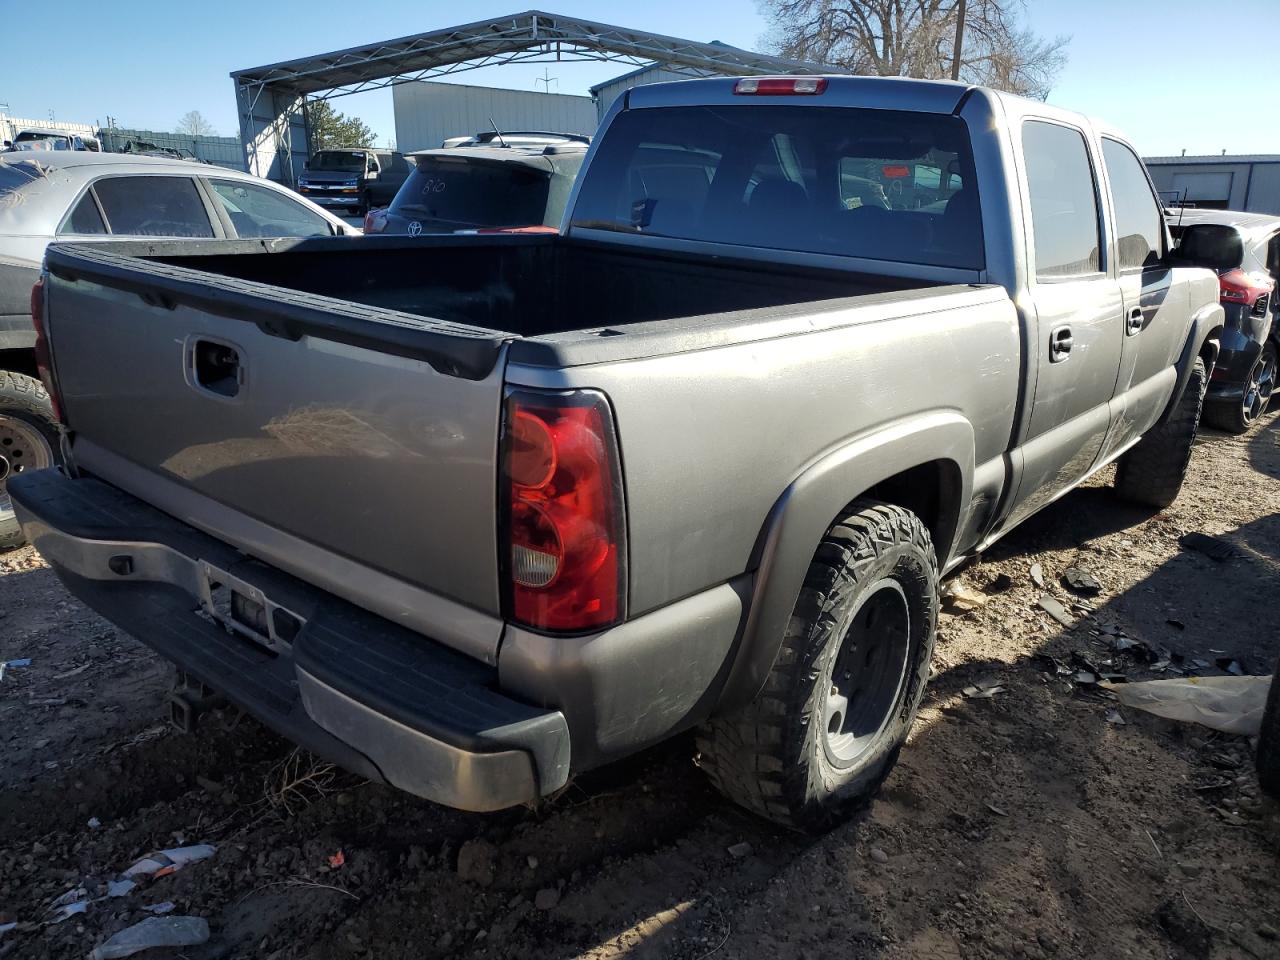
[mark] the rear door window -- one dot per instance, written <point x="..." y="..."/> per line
<point x="258" y="211"/>
<point x="1064" y="202"/>
<point x="85" y="218"/>
<point x="1139" y="224"/>
<point x="463" y="193"/>
<point x="877" y="184"/>
<point x="153" y="207"/>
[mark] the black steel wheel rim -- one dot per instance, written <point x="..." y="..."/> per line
<point x="868" y="673"/>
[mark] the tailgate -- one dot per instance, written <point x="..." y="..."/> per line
<point x="353" y="446"/>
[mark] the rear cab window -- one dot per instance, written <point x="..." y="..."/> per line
<point x="875" y="184"/>
<point x="466" y="192"/>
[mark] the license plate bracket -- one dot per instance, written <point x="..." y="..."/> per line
<point x="242" y="608"/>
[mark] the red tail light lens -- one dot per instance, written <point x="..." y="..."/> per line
<point x="780" y="86"/>
<point x="565" y="519"/>
<point x="44" y="360"/>
<point x="375" y="221"/>
<point x="1250" y="289"/>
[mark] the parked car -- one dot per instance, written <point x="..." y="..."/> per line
<point x="471" y="513"/>
<point x="47" y="139"/>
<point x="94" y="197"/>
<point x="1244" y="250"/>
<point x="354" y="179"/>
<point x="487" y="188"/>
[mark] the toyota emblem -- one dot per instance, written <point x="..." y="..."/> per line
<point x="415" y="228"/>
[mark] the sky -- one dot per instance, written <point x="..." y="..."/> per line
<point x="148" y="62"/>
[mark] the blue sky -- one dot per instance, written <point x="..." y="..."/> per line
<point x="147" y="62"/>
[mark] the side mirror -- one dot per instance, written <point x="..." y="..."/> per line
<point x="1212" y="245"/>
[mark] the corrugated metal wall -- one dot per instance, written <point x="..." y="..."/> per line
<point x="428" y="113"/>
<point x="1248" y="185"/>
<point x="223" y="151"/>
<point x="608" y="92"/>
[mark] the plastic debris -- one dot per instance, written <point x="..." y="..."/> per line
<point x="1114" y="716"/>
<point x="1227" y="665"/>
<point x="164" y="906"/>
<point x="1230" y="704"/>
<point x="1037" y="575"/>
<point x="984" y="689"/>
<point x="337" y="860"/>
<point x="740" y="850"/>
<point x="165" y="862"/>
<point x="957" y="597"/>
<point x="6" y="927"/>
<point x="6" y="664"/>
<point x="74" y="672"/>
<point x="1213" y="547"/>
<point x="69" y="910"/>
<point x="94" y="823"/>
<point x="71" y="896"/>
<point x="120" y="888"/>
<point x="1056" y="610"/>
<point x="998" y="811"/>
<point x="154" y="932"/>
<point x="1082" y="582"/>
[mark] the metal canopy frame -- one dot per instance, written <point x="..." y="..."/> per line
<point x="270" y="98"/>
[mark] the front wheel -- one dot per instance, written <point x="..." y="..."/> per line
<point x="836" y="708"/>
<point x="1238" y="416"/>
<point x="28" y="439"/>
<point x="1151" y="473"/>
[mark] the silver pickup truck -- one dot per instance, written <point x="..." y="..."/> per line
<point x="472" y="514"/>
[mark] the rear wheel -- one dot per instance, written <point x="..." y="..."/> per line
<point x="1152" y="472"/>
<point x="28" y="439"/>
<point x="835" y="709"/>
<point x="1238" y="416"/>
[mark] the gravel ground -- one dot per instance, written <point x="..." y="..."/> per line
<point x="1024" y="824"/>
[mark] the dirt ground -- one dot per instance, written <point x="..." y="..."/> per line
<point x="1024" y="824"/>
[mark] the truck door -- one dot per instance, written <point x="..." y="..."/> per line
<point x="1077" y="331"/>
<point x="1155" y="323"/>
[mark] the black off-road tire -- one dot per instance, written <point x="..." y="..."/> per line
<point x="1151" y="473"/>
<point x="1269" y="740"/>
<point x="24" y="399"/>
<point x="770" y="756"/>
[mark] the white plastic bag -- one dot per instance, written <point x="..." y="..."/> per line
<point x="1229" y="704"/>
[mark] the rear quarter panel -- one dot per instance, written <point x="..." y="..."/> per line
<point x="711" y="439"/>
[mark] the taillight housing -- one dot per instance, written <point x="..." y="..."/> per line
<point x="44" y="357"/>
<point x="564" y="527"/>
<point x="375" y="221"/>
<point x="1249" y="289"/>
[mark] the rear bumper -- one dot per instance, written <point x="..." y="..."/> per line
<point x="374" y="697"/>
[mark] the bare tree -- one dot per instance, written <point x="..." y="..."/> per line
<point x="193" y="124"/>
<point x="918" y="38"/>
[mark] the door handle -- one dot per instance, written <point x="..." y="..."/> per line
<point x="1135" y="321"/>
<point x="1059" y="344"/>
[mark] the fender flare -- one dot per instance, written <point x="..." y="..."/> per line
<point x="806" y="509"/>
<point x="1206" y="324"/>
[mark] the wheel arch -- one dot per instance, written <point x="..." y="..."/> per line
<point x="924" y="463"/>
<point x="1202" y="342"/>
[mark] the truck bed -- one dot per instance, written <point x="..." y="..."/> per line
<point x="352" y="437"/>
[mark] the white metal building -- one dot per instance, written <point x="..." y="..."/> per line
<point x="427" y="113"/>
<point x="609" y="91"/>
<point x="1243" y="182"/>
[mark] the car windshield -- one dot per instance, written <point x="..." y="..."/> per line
<point x="338" y="161"/>
<point x="880" y="184"/>
<point x="461" y="193"/>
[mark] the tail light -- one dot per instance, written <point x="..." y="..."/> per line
<point x="780" y="86"/>
<point x="44" y="358"/>
<point x="375" y="221"/>
<point x="1249" y="289"/>
<point x="565" y="524"/>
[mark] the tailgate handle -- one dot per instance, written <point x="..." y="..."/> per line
<point x="215" y="367"/>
